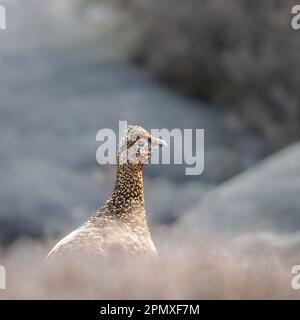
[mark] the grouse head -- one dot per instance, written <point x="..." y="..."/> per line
<point x="137" y="146"/>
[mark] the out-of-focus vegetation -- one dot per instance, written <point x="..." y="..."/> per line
<point x="189" y="266"/>
<point x="241" y="54"/>
<point x="62" y="79"/>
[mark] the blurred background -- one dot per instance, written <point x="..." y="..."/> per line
<point x="69" y="68"/>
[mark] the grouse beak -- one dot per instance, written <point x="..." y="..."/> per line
<point x="161" y="143"/>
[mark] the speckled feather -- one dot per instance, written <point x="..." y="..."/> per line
<point x="120" y="224"/>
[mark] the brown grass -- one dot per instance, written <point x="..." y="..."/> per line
<point x="189" y="266"/>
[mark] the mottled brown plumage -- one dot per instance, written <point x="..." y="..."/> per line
<point x="121" y="224"/>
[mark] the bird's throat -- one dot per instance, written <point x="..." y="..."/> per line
<point x="128" y="192"/>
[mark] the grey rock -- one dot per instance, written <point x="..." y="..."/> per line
<point x="264" y="198"/>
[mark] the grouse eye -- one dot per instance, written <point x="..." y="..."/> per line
<point x="138" y="138"/>
<point x="141" y="143"/>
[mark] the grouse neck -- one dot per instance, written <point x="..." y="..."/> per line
<point x="129" y="186"/>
